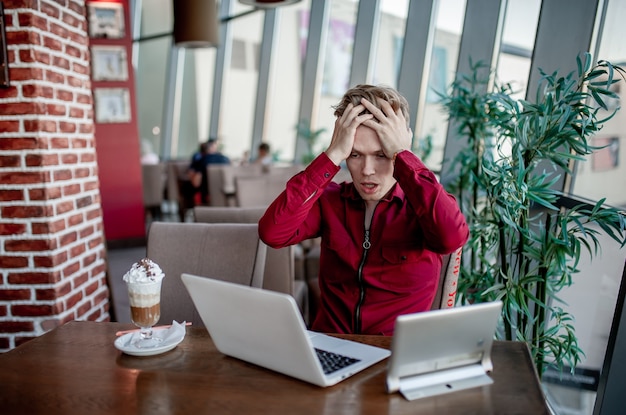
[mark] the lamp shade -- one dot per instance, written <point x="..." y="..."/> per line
<point x="267" y="4"/>
<point x="195" y="23"/>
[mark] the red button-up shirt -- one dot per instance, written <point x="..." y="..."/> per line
<point x="364" y="288"/>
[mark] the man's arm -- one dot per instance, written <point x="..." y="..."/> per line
<point x="444" y="226"/>
<point x="295" y="215"/>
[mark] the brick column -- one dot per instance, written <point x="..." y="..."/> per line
<point x="52" y="250"/>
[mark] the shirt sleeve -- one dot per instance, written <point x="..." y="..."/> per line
<point x="295" y="214"/>
<point x="442" y="221"/>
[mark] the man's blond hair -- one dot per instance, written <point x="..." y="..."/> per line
<point x="371" y="93"/>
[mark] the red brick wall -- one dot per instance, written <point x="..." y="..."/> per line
<point x="52" y="248"/>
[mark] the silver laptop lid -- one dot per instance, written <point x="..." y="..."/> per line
<point x="444" y="350"/>
<point x="266" y="328"/>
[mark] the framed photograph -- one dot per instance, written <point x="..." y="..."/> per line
<point x="108" y="63"/>
<point x="106" y="20"/>
<point x="112" y="105"/>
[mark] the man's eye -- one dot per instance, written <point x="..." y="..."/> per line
<point x="354" y="155"/>
<point x="381" y="155"/>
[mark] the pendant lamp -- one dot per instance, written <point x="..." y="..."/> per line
<point x="195" y="23"/>
<point x="267" y="4"/>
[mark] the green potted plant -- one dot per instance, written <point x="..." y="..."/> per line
<point x="524" y="248"/>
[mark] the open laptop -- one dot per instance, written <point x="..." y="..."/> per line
<point x="442" y="351"/>
<point x="266" y="328"/>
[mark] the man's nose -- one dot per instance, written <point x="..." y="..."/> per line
<point x="368" y="166"/>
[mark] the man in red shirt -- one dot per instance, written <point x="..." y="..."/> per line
<point x="383" y="235"/>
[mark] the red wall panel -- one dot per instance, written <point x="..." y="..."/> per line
<point x="118" y="151"/>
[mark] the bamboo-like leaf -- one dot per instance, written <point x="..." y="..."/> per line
<point x="524" y="250"/>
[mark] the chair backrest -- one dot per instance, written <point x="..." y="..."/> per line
<point x="283" y="267"/>
<point x="153" y="184"/>
<point x="284" y="171"/>
<point x="176" y="171"/>
<point x="218" y="214"/>
<point x="215" y="181"/>
<point x="227" y="251"/>
<point x="231" y="172"/>
<point x="260" y="190"/>
<point x="279" y="272"/>
<point x="448" y="278"/>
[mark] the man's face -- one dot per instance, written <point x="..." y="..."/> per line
<point x="371" y="171"/>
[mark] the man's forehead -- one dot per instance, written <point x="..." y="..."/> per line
<point x="366" y="139"/>
<point x="366" y="149"/>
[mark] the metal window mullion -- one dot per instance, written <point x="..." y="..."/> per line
<point x="480" y="41"/>
<point x="222" y="57"/>
<point x="171" y="103"/>
<point x="260" y="108"/>
<point x="416" y="53"/>
<point x="365" y="39"/>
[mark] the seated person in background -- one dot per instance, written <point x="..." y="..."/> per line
<point x="209" y="154"/>
<point x="264" y="157"/>
<point x="202" y="149"/>
<point x="191" y="186"/>
<point x="384" y="234"/>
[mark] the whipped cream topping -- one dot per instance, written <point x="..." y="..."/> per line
<point x="144" y="272"/>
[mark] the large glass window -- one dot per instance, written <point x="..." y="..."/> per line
<point x="173" y="85"/>
<point x="592" y="297"/>
<point x="152" y="57"/>
<point x="390" y="40"/>
<point x="240" y="83"/>
<point x="431" y="134"/>
<point x="286" y="81"/>
<point x="603" y="174"/>
<point x="518" y="38"/>
<point x="337" y="63"/>
<point x="154" y="22"/>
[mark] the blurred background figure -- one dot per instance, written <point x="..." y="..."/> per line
<point x="148" y="156"/>
<point x="264" y="157"/>
<point x="209" y="154"/>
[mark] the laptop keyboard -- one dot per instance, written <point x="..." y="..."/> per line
<point x="331" y="362"/>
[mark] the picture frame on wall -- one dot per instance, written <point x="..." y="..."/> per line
<point x="106" y="20"/>
<point x="109" y="63"/>
<point x="112" y="105"/>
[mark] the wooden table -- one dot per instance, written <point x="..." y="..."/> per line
<point x="75" y="369"/>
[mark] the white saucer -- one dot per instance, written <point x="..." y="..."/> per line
<point x="170" y="340"/>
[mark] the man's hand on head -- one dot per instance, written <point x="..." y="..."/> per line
<point x="390" y="126"/>
<point x="345" y="129"/>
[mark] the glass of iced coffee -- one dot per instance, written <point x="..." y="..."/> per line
<point x="143" y="281"/>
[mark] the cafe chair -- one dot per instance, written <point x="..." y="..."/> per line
<point x="283" y="267"/>
<point x="445" y="296"/>
<point x="215" y="181"/>
<point x="261" y="190"/>
<point x="222" y="179"/>
<point x="178" y="186"/>
<point x="153" y="186"/>
<point x="225" y="251"/>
